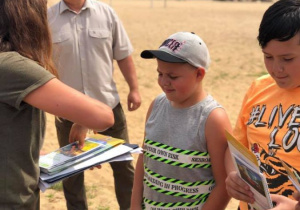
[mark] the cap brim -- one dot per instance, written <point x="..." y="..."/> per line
<point x="161" y="55"/>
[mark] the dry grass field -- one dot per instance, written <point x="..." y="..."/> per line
<point x="228" y="28"/>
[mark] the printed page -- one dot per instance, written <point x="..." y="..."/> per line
<point x="241" y="151"/>
<point x="247" y="167"/>
<point x="71" y="154"/>
<point x="257" y="183"/>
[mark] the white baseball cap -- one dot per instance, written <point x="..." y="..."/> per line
<point x="182" y="47"/>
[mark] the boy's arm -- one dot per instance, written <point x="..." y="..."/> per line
<point x="215" y="127"/>
<point x="137" y="190"/>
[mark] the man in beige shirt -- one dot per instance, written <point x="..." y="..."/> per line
<point x="87" y="36"/>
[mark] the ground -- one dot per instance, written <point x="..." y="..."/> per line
<point x="229" y="30"/>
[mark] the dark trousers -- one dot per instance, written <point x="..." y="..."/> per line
<point x="123" y="171"/>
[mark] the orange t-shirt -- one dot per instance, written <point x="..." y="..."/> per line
<point x="269" y="125"/>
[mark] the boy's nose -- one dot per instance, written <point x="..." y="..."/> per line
<point x="165" y="80"/>
<point x="278" y="67"/>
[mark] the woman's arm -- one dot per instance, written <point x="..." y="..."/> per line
<point x="61" y="100"/>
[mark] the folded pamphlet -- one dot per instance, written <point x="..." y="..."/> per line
<point x="248" y="169"/>
<point x="70" y="154"/>
<point x="111" y="150"/>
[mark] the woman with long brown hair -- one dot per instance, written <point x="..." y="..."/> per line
<point x="28" y="87"/>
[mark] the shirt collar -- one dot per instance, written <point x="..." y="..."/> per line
<point x="64" y="7"/>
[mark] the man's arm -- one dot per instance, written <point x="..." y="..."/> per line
<point x="127" y="68"/>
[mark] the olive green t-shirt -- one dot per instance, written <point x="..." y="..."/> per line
<point x="22" y="130"/>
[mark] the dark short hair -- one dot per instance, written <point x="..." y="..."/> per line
<point x="281" y="21"/>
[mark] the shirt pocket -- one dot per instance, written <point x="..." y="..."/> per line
<point x="99" y="33"/>
<point x="62" y="46"/>
<point x="100" y="40"/>
<point x="60" y="37"/>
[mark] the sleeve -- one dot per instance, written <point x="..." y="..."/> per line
<point x="20" y="76"/>
<point x="122" y="47"/>
<point x="240" y="129"/>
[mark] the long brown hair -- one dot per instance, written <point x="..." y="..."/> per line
<point x="24" y="29"/>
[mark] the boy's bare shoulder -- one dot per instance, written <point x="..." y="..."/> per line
<point x="218" y="120"/>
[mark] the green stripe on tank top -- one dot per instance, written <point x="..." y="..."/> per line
<point x="177" y="204"/>
<point x="176" y="150"/>
<point x="177" y="181"/>
<point x="175" y="163"/>
<point x="175" y="194"/>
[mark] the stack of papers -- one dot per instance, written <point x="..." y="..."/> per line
<point x="70" y="160"/>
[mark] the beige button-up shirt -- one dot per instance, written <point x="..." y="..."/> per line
<point x="84" y="46"/>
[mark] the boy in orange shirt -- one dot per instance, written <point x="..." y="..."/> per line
<point x="269" y="120"/>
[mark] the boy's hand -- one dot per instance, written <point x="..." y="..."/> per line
<point x="238" y="189"/>
<point x="283" y="202"/>
<point x="297" y="197"/>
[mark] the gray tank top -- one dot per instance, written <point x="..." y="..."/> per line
<point x="177" y="167"/>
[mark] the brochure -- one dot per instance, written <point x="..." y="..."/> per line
<point x="71" y="154"/>
<point x="118" y="153"/>
<point x="248" y="169"/>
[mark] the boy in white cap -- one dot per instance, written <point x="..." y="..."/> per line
<point x="183" y="162"/>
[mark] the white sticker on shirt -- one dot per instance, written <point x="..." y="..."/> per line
<point x="173" y="156"/>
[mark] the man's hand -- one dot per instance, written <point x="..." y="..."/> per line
<point x="133" y="100"/>
<point x="238" y="189"/>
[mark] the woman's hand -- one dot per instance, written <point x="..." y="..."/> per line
<point x="78" y="133"/>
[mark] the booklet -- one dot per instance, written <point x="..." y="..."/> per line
<point x="70" y="154"/>
<point x="248" y="169"/>
<point x="292" y="175"/>
<point x="118" y="153"/>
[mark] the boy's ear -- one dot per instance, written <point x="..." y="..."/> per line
<point x="200" y="72"/>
